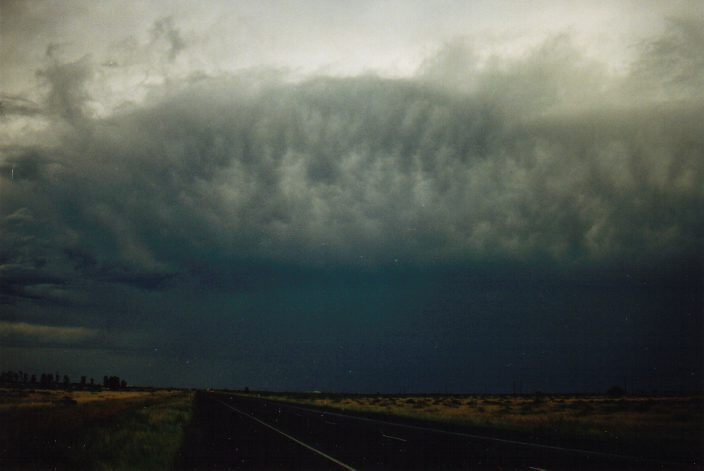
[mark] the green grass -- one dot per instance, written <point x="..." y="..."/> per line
<point x="119" y="430"/>
<point x="147" y="438"/>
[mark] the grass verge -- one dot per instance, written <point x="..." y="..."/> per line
<point x="668" y="428"/>
<point x="144" y="432"/>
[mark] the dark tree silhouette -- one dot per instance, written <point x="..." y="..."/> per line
<point x="113" y="382"/>
<point x="54" y="380"/>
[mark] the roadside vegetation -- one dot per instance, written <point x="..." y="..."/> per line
<point x="665" y="427"/>
<point x="92" y="429"/>
<point x="11" y="398"/>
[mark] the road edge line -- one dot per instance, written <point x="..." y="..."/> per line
<point x="294" y="439"/>
<point x="634" y="459"/>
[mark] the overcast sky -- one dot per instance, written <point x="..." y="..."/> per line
<point x="369" y="196"/>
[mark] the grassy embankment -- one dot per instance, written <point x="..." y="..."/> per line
<point x="92" y="429"/>
<point x="663" y="427"/>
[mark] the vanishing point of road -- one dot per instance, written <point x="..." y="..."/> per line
<point x="238" y="432"/>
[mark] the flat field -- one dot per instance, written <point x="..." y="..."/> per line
<point x="11" y="398"/>
<point x="91" y="429"/>
<point x="656" y="426"/>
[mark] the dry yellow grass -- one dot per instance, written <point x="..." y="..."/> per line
<point x="673" y="422"/>
<point x="33" y="398"/>
<point x="92" y="429"/>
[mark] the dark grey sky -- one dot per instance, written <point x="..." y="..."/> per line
<point x="303" y="196"/>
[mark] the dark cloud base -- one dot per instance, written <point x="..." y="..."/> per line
<point x="366" y="233"/>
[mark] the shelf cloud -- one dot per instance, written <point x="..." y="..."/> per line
<point x="532" y="158"/>
<point x="142" y="166"/>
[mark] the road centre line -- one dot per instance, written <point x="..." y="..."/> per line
<point x="393" y="438"/>
<point x="315" y="450"/>
<point x="487" y="438"/>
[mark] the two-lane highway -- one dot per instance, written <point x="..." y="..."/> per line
<point x="252" y="433"/>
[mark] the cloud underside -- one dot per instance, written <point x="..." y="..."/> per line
<point x="543" y="158"/>
<point x="22" y="331"/>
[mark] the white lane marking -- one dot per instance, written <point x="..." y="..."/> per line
<point x="537" y="469"/>
<point x="486" y="438"/>
<point x="394" y="438"/>
<point x="331" y="423"/>
<point x="315" y="450"/>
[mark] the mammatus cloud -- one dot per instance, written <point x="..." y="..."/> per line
<point x="543" y="157"/>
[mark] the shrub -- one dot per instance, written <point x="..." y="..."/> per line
<point x="615" y="391"/>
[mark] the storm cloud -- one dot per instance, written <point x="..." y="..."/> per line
<point x="367" y="170"/>
<point x="545" y="158"/>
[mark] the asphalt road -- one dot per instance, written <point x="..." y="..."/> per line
<point x="234" y="432"/>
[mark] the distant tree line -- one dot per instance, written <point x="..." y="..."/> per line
<point x="55" y="380"/>
<point x="114" y="382"/>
